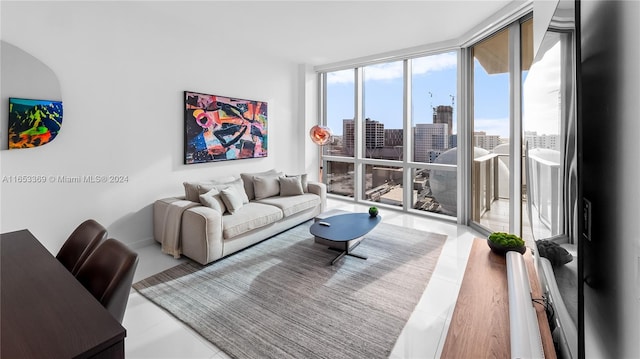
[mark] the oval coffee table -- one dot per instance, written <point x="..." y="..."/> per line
<point x="344" y="228"/>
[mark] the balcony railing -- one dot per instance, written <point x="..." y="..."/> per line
<point x="544" y="189"/>
<point x="485" y="184"/>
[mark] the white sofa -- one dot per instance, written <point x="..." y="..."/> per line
<point x="209" y="222"/>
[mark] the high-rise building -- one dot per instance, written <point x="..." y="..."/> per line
<point x="393" y="137"/>
<point x="374" y="134"/>
<point x="429" y="137"/>
<point x="444" y="114"/>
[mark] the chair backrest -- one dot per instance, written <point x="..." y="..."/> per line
<point x="108" y="275"/>
<point x="84" y="239"/>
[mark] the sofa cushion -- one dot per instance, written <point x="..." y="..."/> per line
<point x="237" y="183"/>
<point x="293" y="204"/>
<point x="232" y="199"/>
<point x="249" y="217"/>
<point x="303" y="181"/>
<point x="212" y="199"/>
<point x="191" y="192"/>
<point x="290" y="186"/>
<point x="247" y="178"/>
<point x="266" y="186"/>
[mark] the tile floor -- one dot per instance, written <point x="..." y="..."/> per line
<point x="153" y="333"/>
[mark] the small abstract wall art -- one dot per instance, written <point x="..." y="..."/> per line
<point x="33" y="123"/>
<point x="218" y="128"/>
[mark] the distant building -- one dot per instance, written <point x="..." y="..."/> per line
<point x="488" y="142"/>
<point x="444" y="114"/>
<point x="429" y="137"/>
<point x="373" y="134"/>
<point x="393" y="137"/>
<point x="551" y="142"/>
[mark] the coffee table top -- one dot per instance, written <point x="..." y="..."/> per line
<point x="345" y="227"/>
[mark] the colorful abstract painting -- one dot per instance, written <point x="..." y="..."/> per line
<point x="33" y="123"/>
<point x="221" y="128"/>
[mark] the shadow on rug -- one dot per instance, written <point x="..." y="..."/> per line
<point x="282" y="299"/>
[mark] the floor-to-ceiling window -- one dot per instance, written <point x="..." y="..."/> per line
<point x="395" y="134"/>
<point x="396" y="141"/>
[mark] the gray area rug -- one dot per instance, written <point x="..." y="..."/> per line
<point x="282" y="299"/>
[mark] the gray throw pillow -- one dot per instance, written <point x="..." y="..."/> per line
<point x="232" y="199"/>
<point x="247" y="178"/>
<point x="191" y="192"/>
<point x="212" y="199"/>
<point x="266" y="186"/>
<point x="303" y="181"/>
<point x="290" y="186"/>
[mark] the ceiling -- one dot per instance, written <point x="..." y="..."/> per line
<point x="323" y="32"/>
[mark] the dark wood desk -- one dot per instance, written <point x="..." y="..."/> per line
<point x="45" y="311"/>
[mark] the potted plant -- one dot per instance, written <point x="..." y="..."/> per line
<point x="373" y="211"/>
<point x="501" y="242"/>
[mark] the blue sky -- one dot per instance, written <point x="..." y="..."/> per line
<point x="434" y="83"/>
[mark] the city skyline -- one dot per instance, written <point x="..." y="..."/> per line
<point x="434" y="83"/>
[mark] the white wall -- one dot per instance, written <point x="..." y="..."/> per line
<point x="122" y="70"/>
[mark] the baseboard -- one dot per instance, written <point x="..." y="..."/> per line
<point x="141" y="243"/>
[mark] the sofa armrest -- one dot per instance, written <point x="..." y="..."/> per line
<point x="202" y="234"/>
<point x="321" y="190"/>
<point x="160" y="208"/>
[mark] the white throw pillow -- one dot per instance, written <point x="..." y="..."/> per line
<point x="266" y="186"/>
<point x="290" y="186"/>
<point x="232" y="199"/>
<point x="212" y="199"/>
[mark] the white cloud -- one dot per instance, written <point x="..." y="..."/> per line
<point x="393" y="70"/>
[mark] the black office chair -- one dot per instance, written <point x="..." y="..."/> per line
<point x="84" y="239"/>
<point x="108" y="275"/>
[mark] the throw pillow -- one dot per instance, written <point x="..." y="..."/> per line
<point x="553" y="252"/>
<point x="303" y="181"/>
<point x="232" y="199"/>
<point x="212" y="199"/>
<point x="290" y="186"/>
<point x="247" y="178"/>
<point x="266" y="186"/>
<point x="191" y="192"/>
<point x="238" y="184"/>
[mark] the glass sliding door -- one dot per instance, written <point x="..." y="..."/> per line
<point x="490" y="175"/>
<point x="500" y="65"/>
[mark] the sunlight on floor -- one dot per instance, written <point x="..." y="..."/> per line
<point x="153" y="333"/>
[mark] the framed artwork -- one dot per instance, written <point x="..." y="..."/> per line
<point x="33" y="123"/>
<point x="218" y="128"/>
